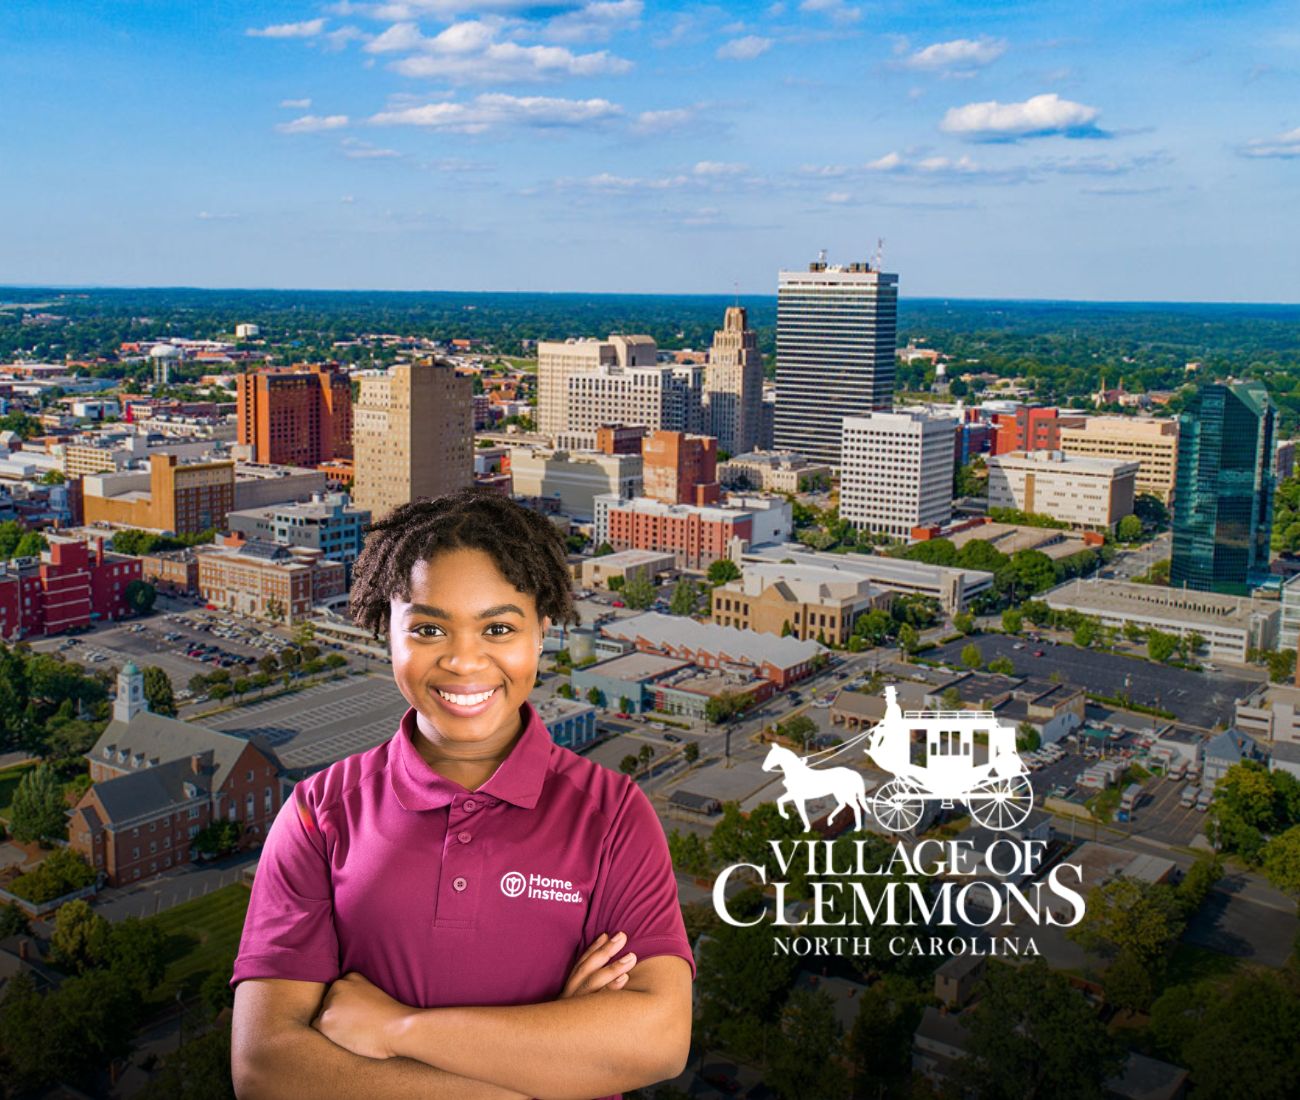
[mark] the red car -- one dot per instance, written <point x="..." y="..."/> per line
<point x="618" y="603"/>
<point x="1038" y="653"/>
<point x="622" y="714"/>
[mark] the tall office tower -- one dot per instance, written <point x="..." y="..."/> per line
<point x="412" y="435"/>
<point x="1223" y="498"/>
<point x="835" y="350"/>
<point x="660" y="397"/>
<point x="296" y="416"/>
<point x="897" y="471"/>
<point x="560" y="360"/>
<point x="733" y="387"/>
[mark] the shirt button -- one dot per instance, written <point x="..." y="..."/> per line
<point x="469" y="805"/>
<point x="464" y="838"/>
<point x="459" y="884"/>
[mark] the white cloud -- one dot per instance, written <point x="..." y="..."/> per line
<point x="744" y="49"/>
<point x="309" y="29"/>
<point x="1284" y="146"/>
<point x="960" y="53"/>
<point x="209" y="216"/>
<point x="596" y="21"/>
<point x="940" y="169"/>
<point x="311" y="124"/>
<point x="663" y="121"/>
<point x="337" y="40"/>
<point x="469" y="51"/>
<point x="1035" y="117"/>
<point x="492" y="110"/>
<point x="719" y="168"/>
<point x="835" y="10"/>
<point x="296" y="104"/>
<point x="888" y="163"/>
<point x="355" y="149"/>
<point x="839" y="197"/>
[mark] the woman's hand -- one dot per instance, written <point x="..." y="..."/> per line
<point x="598" y="969"/>
<point x="359" y="1016"/>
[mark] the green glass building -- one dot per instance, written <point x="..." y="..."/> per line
<point x="1223" y="497"/>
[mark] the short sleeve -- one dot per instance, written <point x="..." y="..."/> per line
<point x="636" y="890"/>
<point x="289" y="930"/>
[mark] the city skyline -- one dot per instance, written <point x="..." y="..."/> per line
<point x="1107" y="154"/>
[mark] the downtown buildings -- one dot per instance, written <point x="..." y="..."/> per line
<point x="1223" y="510"/>
<point x="295" y="416"/>
<point x="733" y="387"/>
<point x="896" y="471"/>
<point x="836" y="345"/>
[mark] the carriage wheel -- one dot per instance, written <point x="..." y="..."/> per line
<point x="1001" y="803"/>
<point x="898" y="806"/>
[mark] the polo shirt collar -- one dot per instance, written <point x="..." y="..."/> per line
<point x="519" y="778"/>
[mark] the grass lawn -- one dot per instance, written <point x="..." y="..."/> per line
<point x="9" y="779"/>
<point x="202" y="935"/>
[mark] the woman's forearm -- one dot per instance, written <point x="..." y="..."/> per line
<point x="570" y="1049"/>
<point x="299" y="1062"/>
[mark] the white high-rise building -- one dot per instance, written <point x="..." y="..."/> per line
<point x="560" y="360"/>
<point x="836" y="341"/>
<point x="897" y="471"/>
<point x="733" y="388"/>
<point x="661" y="398"/>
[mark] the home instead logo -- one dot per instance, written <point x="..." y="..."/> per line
<point x="973" y="897"/>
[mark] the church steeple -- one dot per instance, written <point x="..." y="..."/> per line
<point x="130" y="699"/>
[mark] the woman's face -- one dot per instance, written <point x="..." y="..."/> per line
<point x="466" y="631"/>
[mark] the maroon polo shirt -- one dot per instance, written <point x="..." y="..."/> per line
<point x="444" y="896"/>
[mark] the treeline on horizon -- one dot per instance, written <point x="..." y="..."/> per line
<point x="1065" y="350"/>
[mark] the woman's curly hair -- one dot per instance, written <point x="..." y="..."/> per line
<point x="527" y="548"/>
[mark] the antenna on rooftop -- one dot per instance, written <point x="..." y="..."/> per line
<point x="821" y="255"/>
<point x="880" y="252"/>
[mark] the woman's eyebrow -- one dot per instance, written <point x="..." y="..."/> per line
<point x="439" y="613"/>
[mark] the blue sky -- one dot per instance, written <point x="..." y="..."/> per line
<point x="1106" y="150"/>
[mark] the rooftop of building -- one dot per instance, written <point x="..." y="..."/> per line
<point x="725" y="642"/>
<point x="621" y="559"/>
<point x="1126" y="597"/>
<point x="636" y="667"/>
<point x="1010" y="538"/>
<point x="804" y="583"/>
<point x="876" y="566"/>
<point x="1075" y="464"/>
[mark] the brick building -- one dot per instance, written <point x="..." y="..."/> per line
<point x="185" y="498"/>
<point x="296" y="416"/>
<point x="269" y="581"/>
<point x="158" y="781"/>
<point x="695" y="536"/>
<point x="680" y="469"/>
<point x="68" y="586"/>
<point x="1031" y="429"/>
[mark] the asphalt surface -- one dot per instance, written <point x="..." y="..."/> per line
<point x="1199" y="699"/>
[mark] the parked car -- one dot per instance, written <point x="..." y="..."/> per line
<point x="671" y="737"/>
<point x="1038" y="653"/>
<point x="618" y="603"/>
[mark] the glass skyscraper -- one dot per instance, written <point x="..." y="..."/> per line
<point x="836" y="344"/>
<point x="1223" y="496"/>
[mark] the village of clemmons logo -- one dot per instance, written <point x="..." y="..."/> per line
<point x="936" y="883"/>
<point x="997" y="793"/>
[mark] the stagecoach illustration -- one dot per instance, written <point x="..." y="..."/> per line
<point x="996" y="791"/>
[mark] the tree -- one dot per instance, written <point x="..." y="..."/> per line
<point x="140" y="596"/>
<point x="601" y="550"/>
<point x="683" y="599"/>
<point x="595" y="697"/>
<point x="1160" y="645"/>
<point x="335" y="660"/>
<point x="880" y="1041"/>
<point x="38" y="811"/>
<point x="275" y="610"/>
<point x="971" y="656"/>
<point x="80" y="940"/>
<point x="908" y="638"/>
<point x="876" y="626"/>
<point x="639" y="591"/>
<point x="691" y="752"/>
<point x="200" y="1070"/>
<point x="1130" y="917"/>
<point x="628" y="765"/>
<point x="137" y="952"/>
<point x="13" y="921"/>
<point x="964" y="622"/>
<point x="1002" y="665"/>
<point x="722" y="571"/>
<point x="803" y="1063"/>
<point x="1129" y="529"/>
<point x="1033" y="1036"/>
<point x="303" y="633"/>
<point x="741" y="984"/>
<point x="800" y="729"/>
<point x="269" y="663"/>
<point x="1282" y="861"/>
<point x="1012" y="621"/>
<point x="1027" y="737"/>
<point x="1085" y="633"/>
<point x="625" y="704"/>
<point x="565" y="690"/>
<point x="158" y="692"/>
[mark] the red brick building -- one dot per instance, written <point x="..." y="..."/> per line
<point x="1031" y="428"/>
<point x="695" y="536"/>
<point x="68" y="586"/>
<point x="680" y="468"/>
<point x="296" y="416"/>
<point x="158" y="782"/>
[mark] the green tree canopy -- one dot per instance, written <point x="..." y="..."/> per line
<point x="39" y="810"/>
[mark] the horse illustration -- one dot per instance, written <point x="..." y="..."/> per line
<point x="804" y="782"/>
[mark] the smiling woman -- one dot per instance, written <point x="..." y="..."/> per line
<point x="469" y="908"/>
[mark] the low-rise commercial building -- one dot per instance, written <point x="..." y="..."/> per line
<point x="1053" y="710"/>
<point x="954" y="588"/>
<point x="328" y="522"/>
<point x="696" y="536"/>
<point x="576" y="478"/>
<point x="626" y="564"/>
<point x="172" y="571"/>
<point x="1271" y="712"/>
<point x="625" y="682"/>
<point x="570" y="722"/>
<point x="780" y="660"/>
<point x="773" y="472"/>
<point x="808" y="602"/>
<point x="1085" y="492"/>
<point x="184" y="498"/>
<point x="1230" y="625"/>
<point x="267" y="581"/>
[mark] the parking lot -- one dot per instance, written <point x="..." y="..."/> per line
<point x="166" y="640"/>
<point x="1199" y="699"/>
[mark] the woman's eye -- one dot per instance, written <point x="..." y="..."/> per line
<point x="420" y="630"/>
<point x="506" y="627"/>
